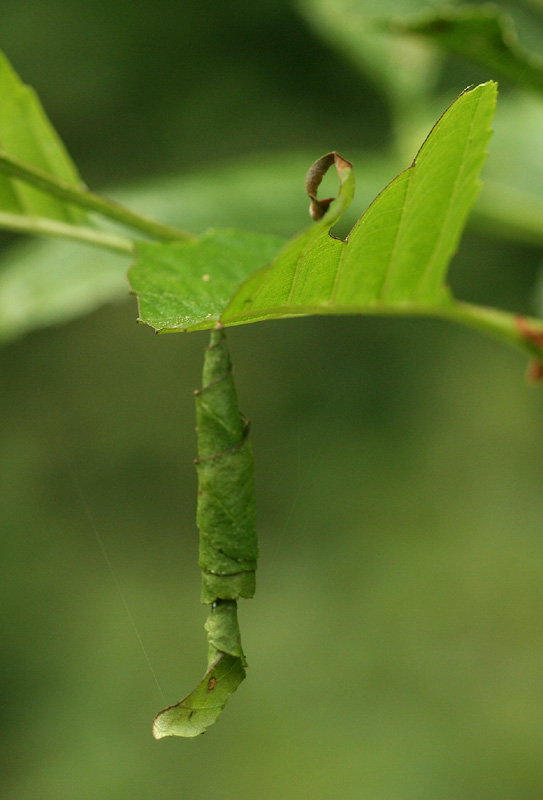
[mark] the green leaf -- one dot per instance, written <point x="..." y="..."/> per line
<point x="186" y="286"/>
<point x="394" y="259"/>
<point x="397" y="255"/>
<point x="485" y="35"/>
<point x="26" y="133"/>
<point x="299" y="274"/>
<point x="54" y="282"/>
<point x="225" y="671"/>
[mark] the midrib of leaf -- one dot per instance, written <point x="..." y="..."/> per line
<point x="410" y="174"/>
<point x="297" y="272"/>
<point x="400" y="180"/>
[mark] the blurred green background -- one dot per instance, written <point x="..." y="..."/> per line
<point x="396" y="640"/>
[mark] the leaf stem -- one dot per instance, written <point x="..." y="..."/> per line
<point x="82" y="197"/>
<point x="37" y="226"/>
<point x="503" y="325"/>
<point x="515" y="329"/>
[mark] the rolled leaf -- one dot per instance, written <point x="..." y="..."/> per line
<point x="226" y="500"/>
<point x="228" y="542"/>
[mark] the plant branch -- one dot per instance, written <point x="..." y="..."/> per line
<point x="37" y="226"/>
<point x="519" y="331"/>
<point x="85" y="199"/>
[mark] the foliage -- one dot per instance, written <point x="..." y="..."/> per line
<point x="395" y="258"/>
<point x="238" y="277"/>
<point x="483" y="34"/>
<point x="379" y="268"/>
<point x="30" y="298"/>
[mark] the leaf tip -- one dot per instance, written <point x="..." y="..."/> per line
<point x="201" y="708"/>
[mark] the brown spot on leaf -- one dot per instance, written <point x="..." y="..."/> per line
<point x="212" y="682"/>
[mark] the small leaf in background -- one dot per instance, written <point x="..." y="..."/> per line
<point x="511" y="202"/>
<point x="26" y="133"/>
<point x="50" y="282"/>
<point x="407" y="70"/>
<point x="485" y="35"/>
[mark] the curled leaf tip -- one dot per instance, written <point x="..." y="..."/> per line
<point x="228" y="541"/>
<point x="316" y="172"/>
<point x="200" y="709"/>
